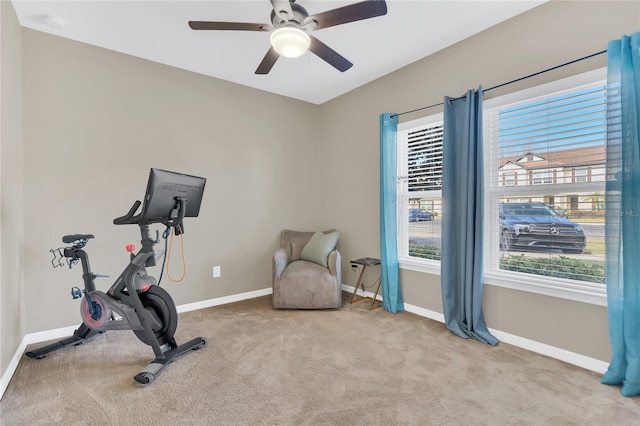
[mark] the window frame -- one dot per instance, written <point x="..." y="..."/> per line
<point x="581" y="174"/>
<point x="584" y="292"/>
<point x="402" y="205"/>
<point x="579" y="291"/>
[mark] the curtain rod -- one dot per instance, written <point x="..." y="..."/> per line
<point x="509" y="82"/>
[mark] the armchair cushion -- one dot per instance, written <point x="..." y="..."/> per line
<point x="319" y="246"/>
<point x="296" y="250"/>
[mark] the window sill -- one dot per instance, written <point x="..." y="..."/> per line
<point x="555" y="287"/>
<point x="593" y="294"/>
<point x="419" y="265"/>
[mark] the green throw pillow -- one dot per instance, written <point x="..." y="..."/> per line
<point x="319" y="246"/>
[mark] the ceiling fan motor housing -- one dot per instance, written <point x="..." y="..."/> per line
<point x="300" y="14"/>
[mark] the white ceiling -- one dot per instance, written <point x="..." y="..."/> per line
<point x="158" y="31"/>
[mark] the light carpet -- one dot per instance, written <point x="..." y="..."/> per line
<point x="352" y="366"/>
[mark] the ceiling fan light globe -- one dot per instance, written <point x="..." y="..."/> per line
<point x="290" y="42"/>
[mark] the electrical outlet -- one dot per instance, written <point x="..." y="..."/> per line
<point x="216" y="272"/>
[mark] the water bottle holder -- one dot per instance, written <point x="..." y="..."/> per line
<point x="58" y="257"/>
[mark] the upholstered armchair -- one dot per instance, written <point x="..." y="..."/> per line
<point x="306" y="271"/>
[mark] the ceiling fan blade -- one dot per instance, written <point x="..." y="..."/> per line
<point x="283" y="9"/>
<point x="332" y="57"/>
<point x="353" y="12"/>
<point x="229" y="26"/>
<point x="268" y="61"/>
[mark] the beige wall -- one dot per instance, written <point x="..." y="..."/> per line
<point x="11" y="215"/>
<point x="95" y="121"/>
<point x="546" y="36"/>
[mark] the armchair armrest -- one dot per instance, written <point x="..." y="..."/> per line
<point x="334" y="262"/>
<point x="335" y="267"/>
<point x="280" y="261"/>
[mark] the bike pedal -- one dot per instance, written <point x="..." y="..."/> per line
<point x="76" y="293"/>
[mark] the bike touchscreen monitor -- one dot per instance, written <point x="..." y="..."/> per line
<point x="164" y="188"/>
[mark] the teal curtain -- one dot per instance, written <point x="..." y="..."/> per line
<point x="622" y="219"/>
<point x="389" y="267"/>
<point x="462" y="217"/>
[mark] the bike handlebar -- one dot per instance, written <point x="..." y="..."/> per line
<point x="129" y="218"/>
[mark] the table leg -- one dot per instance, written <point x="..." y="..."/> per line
<point x="358" y="284"/>
<point x="373" y="302"/>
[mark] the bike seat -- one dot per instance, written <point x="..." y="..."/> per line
<point x="76" y="237"/>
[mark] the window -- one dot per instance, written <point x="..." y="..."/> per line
<point x="550" y="226"/>
<point x="509" y="178"/>
<point x="420" y="191"/>
<point x="581" y="174"/>
<point x="545" y="185"/>
<point x="542" y="176"/>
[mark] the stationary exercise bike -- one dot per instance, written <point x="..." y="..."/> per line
<point x="135" y="301"/>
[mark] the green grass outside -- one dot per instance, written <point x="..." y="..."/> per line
<point x="556" y="266"/>
<point x="595" y="247"/>
<point x="423" y="251"/>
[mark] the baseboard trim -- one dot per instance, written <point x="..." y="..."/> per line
<point x="569" y="357"/>
<point x="43" y="336"/>
<point x="349" y="289"/>
<point x="521" y="342"/>
<point x="223" y="300"/>
<point x="436" y="316"/>
<point x="531" y="345"/>
<point x="11" y="368"/>
<point x="59" y="333"/>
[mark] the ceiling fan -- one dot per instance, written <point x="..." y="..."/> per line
<point x="290" y="24"/>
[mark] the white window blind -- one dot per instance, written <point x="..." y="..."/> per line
<point x="424" y="158"/>
<point x="552" y="134"/>
<point x="546" y="181"/>
<point x="419" y="188"/>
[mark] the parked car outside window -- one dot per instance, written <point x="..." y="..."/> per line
<point x="538" y="226"/>
<point x="416" y="215"/>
